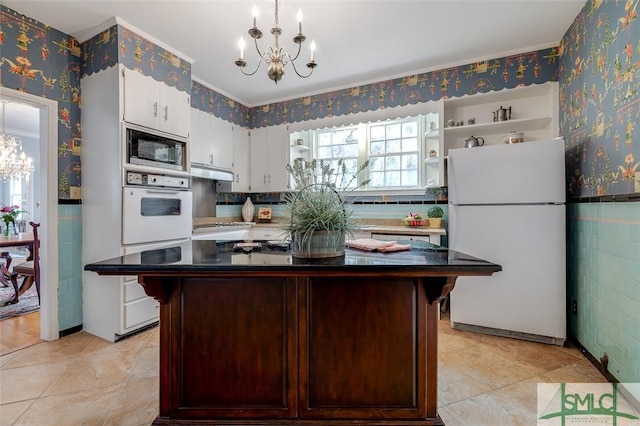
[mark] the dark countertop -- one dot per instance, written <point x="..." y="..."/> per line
<point x="210" y="256"/>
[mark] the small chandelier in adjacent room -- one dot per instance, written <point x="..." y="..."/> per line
<point x="275" y="56"/>
<point x="12" y="165"/>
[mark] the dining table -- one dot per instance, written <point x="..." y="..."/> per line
<point x="22" y="239"/>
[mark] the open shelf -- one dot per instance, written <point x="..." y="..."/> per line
<point x="507" y="126"/>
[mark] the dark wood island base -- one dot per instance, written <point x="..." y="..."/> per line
<point x="311" y="345"/>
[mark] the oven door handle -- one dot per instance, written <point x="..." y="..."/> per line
<point x="161" y="191"/>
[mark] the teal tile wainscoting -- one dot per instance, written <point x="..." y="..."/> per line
<point x="69" y="266"/>
<point x="604" y="281"/>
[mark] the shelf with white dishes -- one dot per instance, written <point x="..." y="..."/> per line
<point x="533" y="111"/>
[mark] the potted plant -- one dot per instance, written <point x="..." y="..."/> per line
<point x="434" y="214"/>
<point x="320" y="217"/>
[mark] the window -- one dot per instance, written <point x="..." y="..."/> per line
<point x="337" y="144"/>
<point x="393" y="148"/>
<point x="393" y="154"/>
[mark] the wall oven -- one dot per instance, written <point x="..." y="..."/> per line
<point x="155" y="208"/>
<point x="155" y="150"/>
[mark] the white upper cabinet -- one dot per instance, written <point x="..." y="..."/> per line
<point x="155" y="105"/>
<point x="211" y="140"/>
<point x="222" y="136"/>
<point x="269" y="156"/>
<point x="241" y="160"/>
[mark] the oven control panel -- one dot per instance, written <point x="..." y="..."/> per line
<point x="147" y="179"/>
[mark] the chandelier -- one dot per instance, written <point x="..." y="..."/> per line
<point x="13" y="165"/>
<point x="275" y="56"/>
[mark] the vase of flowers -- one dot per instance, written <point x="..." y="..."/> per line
<point x="320" y="215"/>
<point x="9" y="216"/>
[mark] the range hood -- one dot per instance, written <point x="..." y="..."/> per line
<point x="207" y="172"/>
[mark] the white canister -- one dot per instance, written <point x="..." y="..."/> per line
<point x="514" y="137"/>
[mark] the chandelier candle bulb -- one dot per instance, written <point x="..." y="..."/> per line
<point x="241" y="45"/>
<point x="312" y="47"/>
<point x="299" y="17"/>
<point x="254" y="12"/>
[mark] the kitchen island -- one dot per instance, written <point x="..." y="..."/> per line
<point x="252" y="337"/>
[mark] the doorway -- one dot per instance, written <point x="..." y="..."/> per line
<point x="43" y="197"/>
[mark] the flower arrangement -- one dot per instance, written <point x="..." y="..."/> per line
<point x="9" y="216"/>
<point x="317" y="210"/>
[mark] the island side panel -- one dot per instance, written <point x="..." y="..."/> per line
<point x="236" y="356"/>
<point x="363" y="348"/>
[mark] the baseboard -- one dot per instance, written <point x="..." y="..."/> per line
<point x="70" y="331"/>
<point x="508" y="333"/>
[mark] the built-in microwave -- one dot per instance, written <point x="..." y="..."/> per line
<point x="155" y="150"/>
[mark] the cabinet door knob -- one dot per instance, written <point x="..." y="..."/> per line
<point x="166" y="112"/>
<point x="237" y="178"/>
<point x="155" y="109"/>
<point x="210" y="158"/>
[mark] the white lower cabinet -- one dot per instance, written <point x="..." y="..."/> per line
<point x="434" y="239"/>
<point x="267" y="233"/>
<point x="140" y="311"/>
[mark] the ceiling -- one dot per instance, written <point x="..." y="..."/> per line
<point x="358" y="41"/>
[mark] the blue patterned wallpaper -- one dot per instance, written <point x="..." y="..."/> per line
<point x="42" y="61"/>
<point x="496" y="74"/>
<point x="119" y="44"/>
<point x="599" y="102"/>
<point x="208" y="100"/>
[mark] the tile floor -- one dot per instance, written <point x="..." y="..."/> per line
<point x="83" y="380"/>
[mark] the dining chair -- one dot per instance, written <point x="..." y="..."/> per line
<point x="29" y="271"/>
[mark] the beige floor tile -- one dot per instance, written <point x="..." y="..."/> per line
<point x="12" y="412"/>
<point x="511" y="405"/>
<point x="23" y="383"/>
<point x="581" y="371"/>
<point x="93" y="371"/>
<point x="61" y="350"/>
<point x="137" y="404"/>
<point x="455" y="386"/>
<point x="4" y="359"/>
<point x="490" y="365"/>
<point x="131" y="343"/>
<point x="87" y="407"/>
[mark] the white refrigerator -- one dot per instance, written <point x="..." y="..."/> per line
<point x="507" y="205"/>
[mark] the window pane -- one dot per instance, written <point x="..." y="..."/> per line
<point x="351" y="138"/>
<point x="409" y="129"/>
<point x="337" y="151"/>
<point x="393" y="145"/>
<point x="392" y="179"/>
<point x="392" y="162"/>
<point x="410" y="144"/>
<point x="351" y="150"/>
<point x="377" y="178"/>
<point x="394" y="131"/>
<point x="351" y="165"/>
<point x="324" y="152"/>
<point x="410" y="178"/>
<point x="376" y="163"/>
<point x="338" y="137"/>
<point x="377" y="133"/>
<point x="377" y="148"/>
<point x="324" y="139"/>
<point x="410" y="162"/>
